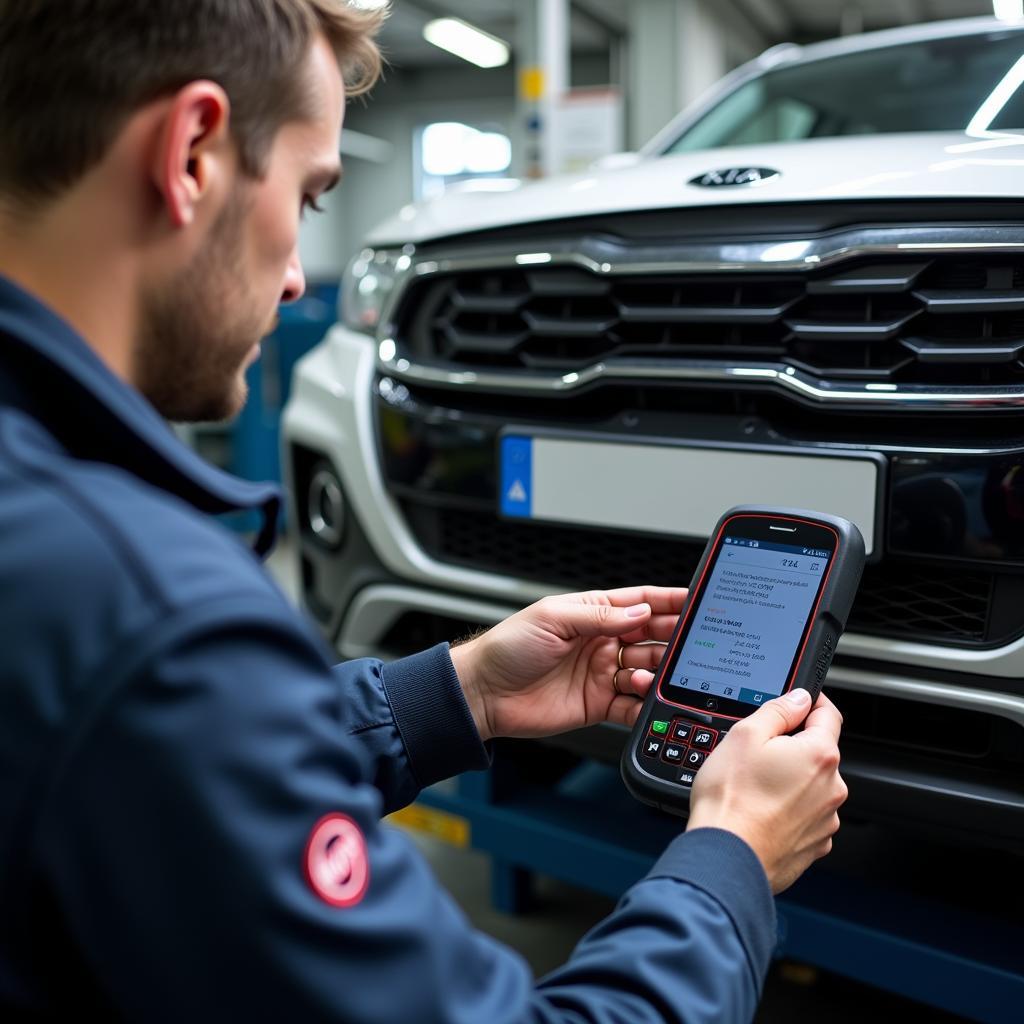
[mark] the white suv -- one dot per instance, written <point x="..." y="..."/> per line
<point x="822" y="268"/>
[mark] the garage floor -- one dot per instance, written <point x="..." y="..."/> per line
<point x="561" y="914"/>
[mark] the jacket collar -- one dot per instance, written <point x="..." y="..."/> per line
<point x="64" y="385"/>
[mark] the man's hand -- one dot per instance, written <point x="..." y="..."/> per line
<point x="779" y="793"/>
<point x="555" y="665"/>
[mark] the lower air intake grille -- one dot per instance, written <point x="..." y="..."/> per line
<point x="910" y="603"/>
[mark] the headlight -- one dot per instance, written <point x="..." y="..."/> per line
<point x="368" y="283"/>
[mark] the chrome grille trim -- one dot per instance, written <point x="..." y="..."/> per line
<point x="782" y="378"/>
<point x="604" y="257"/>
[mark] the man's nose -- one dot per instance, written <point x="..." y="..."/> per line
<point x="294" y="280"/>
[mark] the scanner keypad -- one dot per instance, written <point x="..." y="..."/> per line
<point x="679" y="744"/>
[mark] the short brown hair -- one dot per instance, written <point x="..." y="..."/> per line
<point x="74" y="70"/>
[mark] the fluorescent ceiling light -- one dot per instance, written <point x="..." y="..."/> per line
<point x="370" y="5"/>
<point x="1008" y="10"/>
<point x="465" y="41"/>
<point x="450" y="148"/>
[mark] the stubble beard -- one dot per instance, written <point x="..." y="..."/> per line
<point x="197" y="330"/>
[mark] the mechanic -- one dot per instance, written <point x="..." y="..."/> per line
<point x="190" y="790"/>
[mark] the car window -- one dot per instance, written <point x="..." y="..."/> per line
<point x="938" y="85"/>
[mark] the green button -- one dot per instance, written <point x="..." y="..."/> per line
<point x="659" y="726"/>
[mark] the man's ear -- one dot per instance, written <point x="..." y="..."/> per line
<point x="193" y="149"/>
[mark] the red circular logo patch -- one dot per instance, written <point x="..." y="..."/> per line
<point x="337" y="865"/>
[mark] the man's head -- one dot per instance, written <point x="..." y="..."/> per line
<point x="202" y="128"/>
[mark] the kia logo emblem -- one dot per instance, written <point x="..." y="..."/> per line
<point x="731" y="176"/>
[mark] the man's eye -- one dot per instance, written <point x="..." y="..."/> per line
<point x="309" y="203"/>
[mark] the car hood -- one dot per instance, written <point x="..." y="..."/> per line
<point x="931" y="165"/>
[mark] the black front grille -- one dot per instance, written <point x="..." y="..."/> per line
<point x="944" y="320"/>
<point x="930" y="603"/>
<point x="928" y="729"/>
<point x="908" y="602"/>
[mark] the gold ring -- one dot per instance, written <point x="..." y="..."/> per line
<point x="619" y="658"/>
<point x="615" y="681"/>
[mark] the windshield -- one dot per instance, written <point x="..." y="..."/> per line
<point x="941" y="85"/>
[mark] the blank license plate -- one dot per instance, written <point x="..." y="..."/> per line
<point x="674" y="489"/>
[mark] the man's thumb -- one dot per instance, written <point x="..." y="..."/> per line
<point x="783" y="714"/>
<point x="605" y="619"/>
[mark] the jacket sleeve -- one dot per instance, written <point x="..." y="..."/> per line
<point x="181" y="841"/>
<point x="411" y="719"/>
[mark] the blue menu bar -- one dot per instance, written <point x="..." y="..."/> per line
<point x="756" y="696"/>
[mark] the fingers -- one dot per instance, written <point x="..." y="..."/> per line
<point x="633" y="679"/>
<point x="624" y="711"/>
<point x="634" y="613"/>
<point x="641" y="681"/>
<point x="778" y="716"/>
<point x="621" y="681"/>
<point x="628" y="682"/>
<point x="825" y="715"/>
<point x="664" y="600"/>
<point x="657" y="627"/>
<point x="641" y="655"/>
<point x="630" y="686"/>
<point x="841" y="793"/>
<point x="625" y="708"/>
<point x="568" y="616"/>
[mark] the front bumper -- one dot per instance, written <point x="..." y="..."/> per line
<point x="380" y="594"/>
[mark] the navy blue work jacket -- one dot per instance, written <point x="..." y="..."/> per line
<point x="191" y="792"/>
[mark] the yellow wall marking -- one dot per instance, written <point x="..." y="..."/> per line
<point x="449" y="828"/>
<point x="531" y="84"/>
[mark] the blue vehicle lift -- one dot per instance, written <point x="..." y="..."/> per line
<point x="585" y="829"/>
